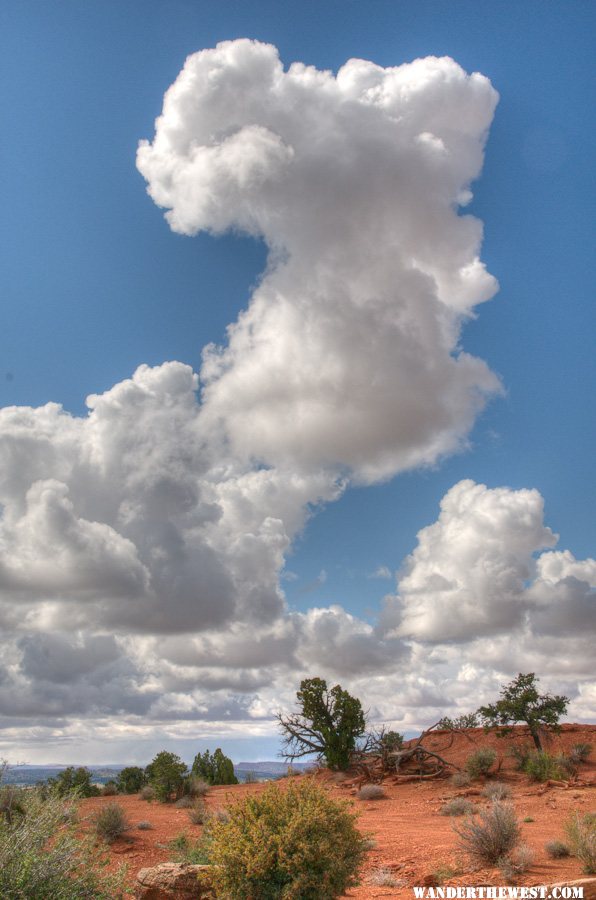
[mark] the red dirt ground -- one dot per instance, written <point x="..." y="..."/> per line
<point x="411" y="838"/>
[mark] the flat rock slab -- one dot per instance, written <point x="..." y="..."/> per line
<point x="174" y="881"/>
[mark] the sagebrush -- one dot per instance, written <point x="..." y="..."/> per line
<point x="492" y="835"/>
<point x="42" y="858"/>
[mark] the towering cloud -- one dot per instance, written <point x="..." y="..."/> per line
<point x="348" y="355"/>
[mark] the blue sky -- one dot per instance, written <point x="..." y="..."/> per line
<point x="95" y="284"/>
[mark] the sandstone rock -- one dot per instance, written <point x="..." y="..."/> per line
<point x="174" y="881"/>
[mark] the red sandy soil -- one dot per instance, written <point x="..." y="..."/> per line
<point x="410" y="837"/>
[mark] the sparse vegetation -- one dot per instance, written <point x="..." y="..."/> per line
<point x="459" y="806"/>
<point x="144" y="826"/>
<point x="41" y="856"/>
<point x="198" y="813"/>
<point x="492" y="836"/>
<point x="371" y="792"/>
<point x="521" y="702"/>
<point x="579" y="753"/>
<point x="196" y="787"/>
<point x="297" y="843"/>
<point x="190" y="851"/>
<point x="184" y="802"/>
<point x="110" y="789"/>
<point x="384" y="877"/>
<point x="148" y="793"/>
<point x="529" y="819"/>
<point x="461" y="779"/>
<point x="496" y="790"/>
<point x="110" y="822"/>
<point x="480" y="762"/>
<point x="166" y="775"/>
<point x="557" y="849"/>
<point x="517" y="863"/>
<point x="329" y="722"/>
<point x="581" y="834"/>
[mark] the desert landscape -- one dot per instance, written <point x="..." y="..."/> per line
<point x="412" y="842"/>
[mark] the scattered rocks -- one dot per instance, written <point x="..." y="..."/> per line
<point x="181" y="881"/>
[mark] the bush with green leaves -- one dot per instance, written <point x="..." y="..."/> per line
<point x="110" y="822"/>
<point x="581" y="834"/>
<point x="296" y="844"/>
<point x="491" y="836"/>
<point x="214" y="768"/>
<point x="480" y="762"/>
<point x="541" y="766"/>
<point x="166" y="774"/>
<point x="185" y="849"/>
<point x="74" y="781"/>
<point x="131" y="780"/>
<point x="43" y="858"/>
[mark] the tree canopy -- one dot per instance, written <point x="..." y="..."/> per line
<point x="214" y="768"/>
<point x="328" y="723"/>
<point x="521" y="702"/>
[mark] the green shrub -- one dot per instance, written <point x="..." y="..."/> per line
<point x="131" y="780"/>
<point x="496" y="790"/>
<point x="214" y="768"/>
<point x="459" y="806"/>
<point x="42" y="858"/>
<point x="541" y="766"/>
<point x="74" y="781"/>
<point x="581" y="833"/>
<point x="297" y="843"/>
<point x="557" y="849"/>
<point x="492" y="836"/>
<point x="166" y="775"/>
<point x="480" y="762"/>
<point x="579" y="753"/>
<point x="110" y="822"/>
<point x="186" y="850"/>
<point x="11" y="803"/>
<point x="520" y="756"/>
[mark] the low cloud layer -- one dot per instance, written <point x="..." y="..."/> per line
<point x="142" y="547"/>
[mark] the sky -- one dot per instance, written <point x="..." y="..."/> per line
<point x="296" y="365"/>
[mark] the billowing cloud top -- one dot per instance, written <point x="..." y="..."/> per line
<point x="348" y="353"/>
<point x="141" y="547"/>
